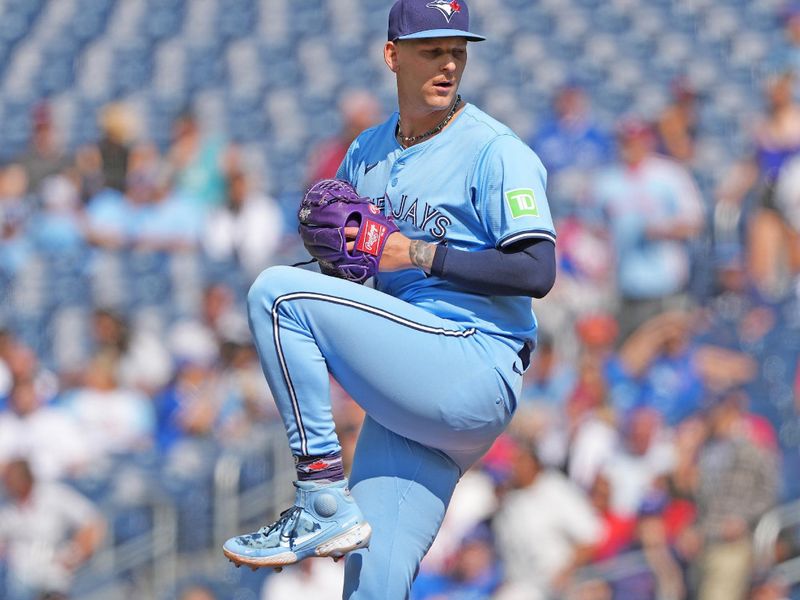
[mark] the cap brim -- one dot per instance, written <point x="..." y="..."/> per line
<point x="442" y="33"/>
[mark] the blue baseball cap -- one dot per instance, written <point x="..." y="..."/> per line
<point x="423" y="19"/>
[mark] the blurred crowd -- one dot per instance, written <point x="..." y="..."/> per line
<point x="99" y="367"/>
<point x="659" y="421"/>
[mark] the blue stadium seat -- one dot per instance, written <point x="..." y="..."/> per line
<point x="309" y="19"/>
<point x="640" y="47"/>
<point x="163" y="19"/>
<point x="57" y="73"/>
<point x="133" y="66"/>
<point x="15" y="127"/>
<point x="93" y="19"/>
<point x="610" y="19"/>
<point x="236" y="18"/>
<point x="760" y="16"/>
<point x="246" y="118"/>
<point x="203" y="66"/>
<point x="685" y="19"/>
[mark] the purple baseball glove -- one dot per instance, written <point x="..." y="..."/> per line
<point x="326" y="209"/>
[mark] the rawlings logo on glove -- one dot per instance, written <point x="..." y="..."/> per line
<point x="326" y="209"/>
<point x="370" y="237"/>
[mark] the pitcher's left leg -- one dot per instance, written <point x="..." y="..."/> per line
<point x="432" y="381"/>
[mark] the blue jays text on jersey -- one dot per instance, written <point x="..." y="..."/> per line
<point x="419" y="213"/>
<point x="474" y="186"/>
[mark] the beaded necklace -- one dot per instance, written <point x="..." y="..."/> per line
<point x="411" y="139"/>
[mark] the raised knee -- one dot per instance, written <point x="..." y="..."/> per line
<point x="270" y="284"/>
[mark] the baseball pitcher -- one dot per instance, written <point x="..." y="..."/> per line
<point x="445" y="208"/>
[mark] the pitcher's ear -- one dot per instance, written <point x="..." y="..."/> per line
<point x="390" y="56"/>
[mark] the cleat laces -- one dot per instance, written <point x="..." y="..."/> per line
<point x="288" y="518"/>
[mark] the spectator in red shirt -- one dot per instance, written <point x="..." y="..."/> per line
<point x="618" y="529"/>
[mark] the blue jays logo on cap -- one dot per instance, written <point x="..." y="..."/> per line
<point x="446" y="7"/>
<point x="421" y="19"/>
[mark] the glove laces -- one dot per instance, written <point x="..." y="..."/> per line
<point x="305" y="262"/>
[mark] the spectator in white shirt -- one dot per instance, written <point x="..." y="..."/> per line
<point x="318" y="579"/>
<point x="654" y="211"/>
<point x="246" y="230"/>
<point x="47" y="531"/>
<point x="114" y="419"/>
<point x="544" y="530"/>
<point x="644" y="454"/>
<point x="47" y="436"/>
<point x="144" y="361"/>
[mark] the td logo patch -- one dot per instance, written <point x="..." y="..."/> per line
<point x="522" y="203"/>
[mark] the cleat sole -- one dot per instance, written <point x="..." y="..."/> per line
<point x="279" y="560"/>
<point x="352" y="539"/>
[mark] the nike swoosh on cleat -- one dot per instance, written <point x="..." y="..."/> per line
<point x="299" y="540"/>
<point x="368" y="168"/>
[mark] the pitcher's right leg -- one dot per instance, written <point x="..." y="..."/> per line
<point x="403" y="488"/>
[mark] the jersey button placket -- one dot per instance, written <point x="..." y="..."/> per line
<point x="398" y="166"/>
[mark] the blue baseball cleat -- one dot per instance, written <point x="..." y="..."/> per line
<point x="324" y="521"/>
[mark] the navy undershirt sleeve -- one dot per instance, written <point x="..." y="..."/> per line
<point x="527" y="268"/>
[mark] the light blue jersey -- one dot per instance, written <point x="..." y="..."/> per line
<point x="474" y="186"/>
